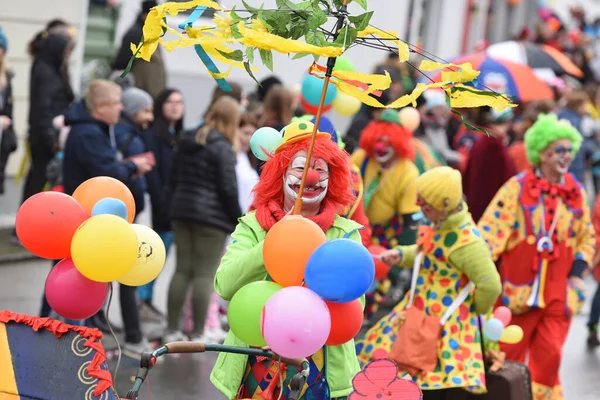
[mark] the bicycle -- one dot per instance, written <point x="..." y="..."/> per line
<point x="149" y="359"/>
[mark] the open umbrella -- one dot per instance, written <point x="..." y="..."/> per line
<point x="536" y="56"/>
<point x="515" y="80"/>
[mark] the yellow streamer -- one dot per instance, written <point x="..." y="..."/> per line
<point x="268" y="41"/>
<point x="403" y="50"/>
<point x="469" y="97"/>
<point x="465" y="72"/>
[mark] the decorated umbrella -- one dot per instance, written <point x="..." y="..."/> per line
<point x="515" y="80"/>
<point x="536" y="56"/>
<point x="44" y="359"/>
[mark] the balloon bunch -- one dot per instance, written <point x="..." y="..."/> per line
<point x="496" y="329"/>
<point x="92" y="234"/>
<point x="341" y="103"/>
<point x="314" y="298"/>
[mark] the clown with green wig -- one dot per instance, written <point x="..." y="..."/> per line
<point x="538" y="226"/>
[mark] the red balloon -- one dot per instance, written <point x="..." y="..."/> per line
<point x="46" y="223"/>
<point x="72" y="295"/>
<point x="346" y="321"/>
<point x="312" y="110"/>
<point x="381" y="269"/>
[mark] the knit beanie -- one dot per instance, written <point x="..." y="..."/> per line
<point x="134" y="100"/>
<point x="441" y="187"/>
<point x="3" y="40"/>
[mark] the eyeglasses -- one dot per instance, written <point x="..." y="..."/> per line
<point x="563" y="150"/>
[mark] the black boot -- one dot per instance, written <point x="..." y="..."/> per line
<point x="593" y="340"/>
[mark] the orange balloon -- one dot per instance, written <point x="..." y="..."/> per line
<point x="95" y="189"/>
<point x="46" y="223"/>
<point x="410" y="118"/>
<point x="288" y="245"/>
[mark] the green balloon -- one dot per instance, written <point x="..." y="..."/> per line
<point x="245" y="311"/>
<point x="344" y="64"/>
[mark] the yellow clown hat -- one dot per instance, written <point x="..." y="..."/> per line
<point x="297" y="131"/>
<point x="441" y="187"/>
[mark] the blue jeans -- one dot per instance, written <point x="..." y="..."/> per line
<point x="146" y="292"/>
<point x="595" y="312"/>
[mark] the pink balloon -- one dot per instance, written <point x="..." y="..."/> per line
<point x="295" y="322"/>
<point x="72" y="295"/>
<point x="503" y="314"/>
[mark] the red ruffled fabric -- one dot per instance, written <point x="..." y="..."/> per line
<point x="270" y="214"/>
<point x="58" y="328"/>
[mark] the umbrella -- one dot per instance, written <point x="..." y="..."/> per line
<point x="514" y="80"/>
<point x="44" y="359"/>
<point x="536" y="56"/>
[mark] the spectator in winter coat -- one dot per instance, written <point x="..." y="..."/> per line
<point x="8" y="141"/>
<point x="149" y="76"/>
<point x="91" y="151"/>
<point x="132" y="136"/>
<point x="204" y="211"/>
<point x="166" y="130"/>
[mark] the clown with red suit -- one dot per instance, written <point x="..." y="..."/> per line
<point x="327" y="194"/>
<point x="385" y="160"/>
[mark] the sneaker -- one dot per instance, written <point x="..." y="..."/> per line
<point x="215" y="335"/>
<point x="174" y="336"/>
<point x="135" y="350"/>
<point x="200" y="339"/>
<point x="100" y="322"/>
<point x="149" y="313"/>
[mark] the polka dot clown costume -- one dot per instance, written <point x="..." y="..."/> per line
<point x="539" y="226"/>
<point x="453" y="254"/>
<point x="385" y="160"/>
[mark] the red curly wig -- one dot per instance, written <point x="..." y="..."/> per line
<point x="400" y="138"/>
<point x="339" y="192"/>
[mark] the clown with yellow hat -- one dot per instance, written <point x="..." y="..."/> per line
<point x="452" y="253"/>
<point x="326" y="194"/>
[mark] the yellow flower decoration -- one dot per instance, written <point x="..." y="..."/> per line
<point x="259" y="26"/>
<point x="223" y="25"/>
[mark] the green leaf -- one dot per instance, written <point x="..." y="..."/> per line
<point x="249" y="71"/>
<point x="315" y="38"/>
<point x="300" y="55"/>
<point x="250" y="54"/>
<point x="305" y="6"/>
<point x="361" y="22"/>
<point x="317" y="19"/>
<point x="235" y="32"/>
<point x="236" y="55"/>
<point x="349" y="34"/>
<point x="235" y="16"/>
<point x="296" y="32"/>
<point x="277" y="21"/>
<point x="362" y="3"/>
<point x="285" y="4"/>
<point x="252" y="10"/>
<point x="267" y="58"/>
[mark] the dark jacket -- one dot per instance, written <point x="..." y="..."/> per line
<point x="50" y="92"/>
<point x="164" y="145"/>
<point x="9" y="139"/>
<point x="132" y="140"/>
<point x="89" y="151"/>
<point x="205" y="185"/>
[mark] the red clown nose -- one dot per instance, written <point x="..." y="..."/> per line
<point x="312" y="178"/>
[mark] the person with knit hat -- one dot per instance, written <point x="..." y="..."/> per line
<point x="539" y="225"/>
<point x="452" y="253"/>
<point x="385" y="160"/>
<point x="327" y="193"/>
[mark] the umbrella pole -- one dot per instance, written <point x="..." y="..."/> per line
<point x="330" y="65"/>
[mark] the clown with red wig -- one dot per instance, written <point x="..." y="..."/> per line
<point x="385" y="160"/>
<point x="326" y="194"/>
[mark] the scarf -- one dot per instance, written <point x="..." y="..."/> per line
<point x="271" y="213"/>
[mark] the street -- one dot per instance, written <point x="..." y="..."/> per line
<point x="187" y="377"/>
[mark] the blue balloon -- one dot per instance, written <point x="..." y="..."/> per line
<point x="264" y="142"/>
<point x="340" y="270"/>
<point x="312" y="87"/>
<point x="493" y="329"/>
<point x="109" y="205"/>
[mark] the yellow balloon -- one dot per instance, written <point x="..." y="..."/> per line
<point x="512" y="334"/>
<point x="346" y="105"/>
<point x="150" y="259"/>
<point x="410" y="118"/>
<point x="104" y="248"/>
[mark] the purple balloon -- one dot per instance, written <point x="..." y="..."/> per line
<point x="295" y="322"/>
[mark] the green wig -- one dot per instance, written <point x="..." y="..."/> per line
<point x="547" y="130"/>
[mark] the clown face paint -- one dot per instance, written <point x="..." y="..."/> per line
<point x="558" y="156"/>
<point x="383" y="151"/>
<point x="317" y="180"/>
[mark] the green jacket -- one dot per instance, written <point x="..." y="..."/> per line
<point x="242" y="264"/>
